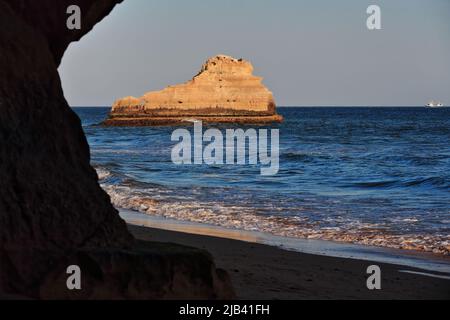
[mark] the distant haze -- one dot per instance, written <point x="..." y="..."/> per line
<point x="310" y="52"/>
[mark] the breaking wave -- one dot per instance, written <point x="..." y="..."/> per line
<point x="158" y="201"/>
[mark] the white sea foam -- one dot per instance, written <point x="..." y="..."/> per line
<point x="103" y="173"/>
<point x="245" y="218"/>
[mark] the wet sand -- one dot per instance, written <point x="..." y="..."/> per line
<point x="264" y="272"/>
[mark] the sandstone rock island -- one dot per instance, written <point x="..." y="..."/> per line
<point x="224" y="91"/>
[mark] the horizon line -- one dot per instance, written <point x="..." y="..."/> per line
<point x="299" y="106"/>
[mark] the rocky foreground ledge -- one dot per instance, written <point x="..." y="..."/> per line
<point x="224" y="91"/>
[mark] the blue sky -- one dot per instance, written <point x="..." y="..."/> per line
<point x="310" y="52"/>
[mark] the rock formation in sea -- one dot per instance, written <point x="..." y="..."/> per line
<point x="53" y="213"/>
<point x="225" y="90"/>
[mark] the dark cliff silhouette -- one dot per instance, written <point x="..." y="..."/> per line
<point x="53" y="212"/>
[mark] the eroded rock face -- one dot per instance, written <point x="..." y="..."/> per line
<point x="52" y="210"/>
<point x="225" y="90"/>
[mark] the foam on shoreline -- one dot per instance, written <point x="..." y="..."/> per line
<point x="420" y="260"/>
<point x="246" y="219"/>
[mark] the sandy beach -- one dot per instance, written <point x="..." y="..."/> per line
<point x="265" y="272"/>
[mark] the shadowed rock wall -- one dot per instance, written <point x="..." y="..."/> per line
<point x="52" y="209"/>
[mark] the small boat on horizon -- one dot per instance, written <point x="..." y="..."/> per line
<point x="434" y="104"/>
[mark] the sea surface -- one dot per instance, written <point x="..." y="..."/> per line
<point x="373" y="176"/>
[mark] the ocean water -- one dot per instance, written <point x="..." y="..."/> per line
<point x="374" y="176"/>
